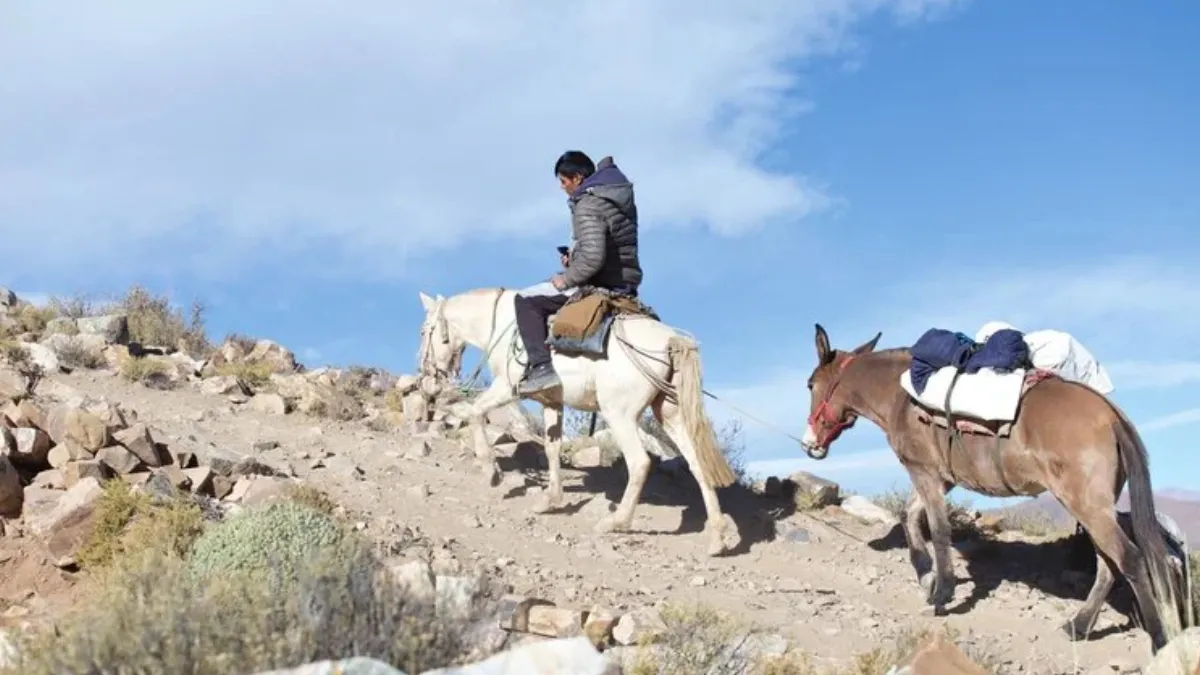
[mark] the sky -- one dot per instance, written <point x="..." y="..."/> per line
<point x="872" y="165"/>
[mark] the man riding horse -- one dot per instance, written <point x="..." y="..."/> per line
<point x="603" y="255"/>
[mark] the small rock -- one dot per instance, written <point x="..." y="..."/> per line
<point x="119" y="459"/>
<point x="419" y="491"/>
<point x="861" y="507"/>
<point x="417" y="578"/>
<point x="270" y="404"/>
<point x="30" y="447"/>
<point x="550" y="621"/>
<point x="813" y="492"/>
<point x="12" y="495"/>
<point x="639" y="627"/>
<point x="82" y="469"/>
<point x="419" y="449"/>
<point x="138" y="440"/>
<point x="200" y="479"/>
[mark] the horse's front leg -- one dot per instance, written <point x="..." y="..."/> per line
<point x="938" y="584"/>
<point x="553" y="498"/>
<point x="498" y="394"/>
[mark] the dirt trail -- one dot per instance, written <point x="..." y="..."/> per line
<point x="827" y="582"/>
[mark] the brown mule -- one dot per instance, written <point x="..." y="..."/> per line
<point x="1067" y="439"/>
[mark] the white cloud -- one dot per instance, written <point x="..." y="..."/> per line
<point x="857" y="463"/>
<point x="1151" y="375"/>
<point x="1178" y="419"/>
<point x="209" y="130"/>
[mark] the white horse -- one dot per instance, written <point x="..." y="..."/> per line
<point x="652" y="366"/>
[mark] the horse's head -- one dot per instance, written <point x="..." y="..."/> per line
<point x="442" y="347"/>
<point x="829" y="412"/>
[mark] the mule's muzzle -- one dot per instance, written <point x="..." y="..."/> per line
<point x="816" y="452"/>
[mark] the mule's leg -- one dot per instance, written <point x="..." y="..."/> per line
<point x="938" y="584"/>
<point x="624" y="428"/>
<point x="918" y="545"/>
<point x="553" y="497"/>
<point x="500" y="393"/>
<point x="1080" y="626"/>
<point x="1113" y="544"/>
<point x="722" y="531"/>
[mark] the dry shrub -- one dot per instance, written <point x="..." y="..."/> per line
<point x="31" y="318"/>
<point x="962" y="518"/>
<point x="141" y="368"/>
<point x="245" y="343"/>
<point x="153" y="616"/>
<point x="73" y="355"/>
<point x="153" y="321"/>
<point x="12" y="353"/>
<point x="393" y="401"/>
<point x="256" y="375"/>
<point x="74" y="307"/>
<point x="128" y="523"/>
<point x="702" y="640"/>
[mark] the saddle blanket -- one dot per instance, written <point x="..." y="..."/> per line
<point x="984" y="394"/>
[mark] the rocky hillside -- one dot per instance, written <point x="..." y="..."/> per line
<point x="122" y="430"/>
<point x="1182" y="506"/>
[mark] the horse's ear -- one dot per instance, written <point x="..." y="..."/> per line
<point x="441" y="298"/>
<point x="824" y="351"/>
<point x="869" y="345"/>
<point x="426" y="301"/>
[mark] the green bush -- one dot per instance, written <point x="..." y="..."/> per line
<point x="153" y="616"/>
<point x="279" y="538"/>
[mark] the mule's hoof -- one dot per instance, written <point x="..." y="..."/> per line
<point x="938" y="593"/>
<point x="1073" y="632"/>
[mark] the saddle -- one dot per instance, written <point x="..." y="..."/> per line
<point x="583" y="325"/>
<point x="990" y="428"/>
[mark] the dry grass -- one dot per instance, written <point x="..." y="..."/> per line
<point x="29" y="319"/>
<point x="699" y="639"/>
<point x="127" y="523"/>
<point x="142" y="368"/>
<point x="313" y="497"/>
<point x="243" y="342"/>
<point x="963" y="524"/>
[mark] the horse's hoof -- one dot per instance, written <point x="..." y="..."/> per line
<point x="608" y="525"/>
<point x="724" y="537"/>
<point x="546" y="504"/>
<point x="491" y="474"/>
<point x="937" y="593"/>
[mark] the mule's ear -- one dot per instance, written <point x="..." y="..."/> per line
<point x="426" y="301"/>
<point x="824" y="351"/>
<point x="869" y="345"/>
<point x="440" y="297"/>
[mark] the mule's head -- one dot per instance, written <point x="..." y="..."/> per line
<point x="829" y="412"/>
<point x="442" y="348"/>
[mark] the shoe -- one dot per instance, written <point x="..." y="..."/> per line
<point x="539" y="379"/>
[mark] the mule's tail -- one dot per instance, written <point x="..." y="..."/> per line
<point x="1147" y="531"/>
<point x="685" y="357"/>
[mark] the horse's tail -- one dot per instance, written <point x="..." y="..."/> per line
<point x="685" y="357"/>
<point x="1147" y="532"/>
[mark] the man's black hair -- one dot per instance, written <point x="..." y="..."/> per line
<point x="574" y="163"/>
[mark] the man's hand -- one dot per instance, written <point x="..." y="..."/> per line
<point x="564" y="259"/>
<point x="559" y="282"/>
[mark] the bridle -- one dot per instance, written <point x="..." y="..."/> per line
<point x="831" y="425"/>
<point x="436" y="324"/>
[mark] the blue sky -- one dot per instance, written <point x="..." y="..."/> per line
<point x="869" y="164"/>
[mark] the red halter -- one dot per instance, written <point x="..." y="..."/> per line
<point x="831" y="426"/>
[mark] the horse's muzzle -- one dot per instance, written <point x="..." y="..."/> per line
<point x="816" y="452"/>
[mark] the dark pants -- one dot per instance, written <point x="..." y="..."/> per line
<point x="532" y="315"/>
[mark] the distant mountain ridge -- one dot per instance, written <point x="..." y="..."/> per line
<point x="1183" y="506"/>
